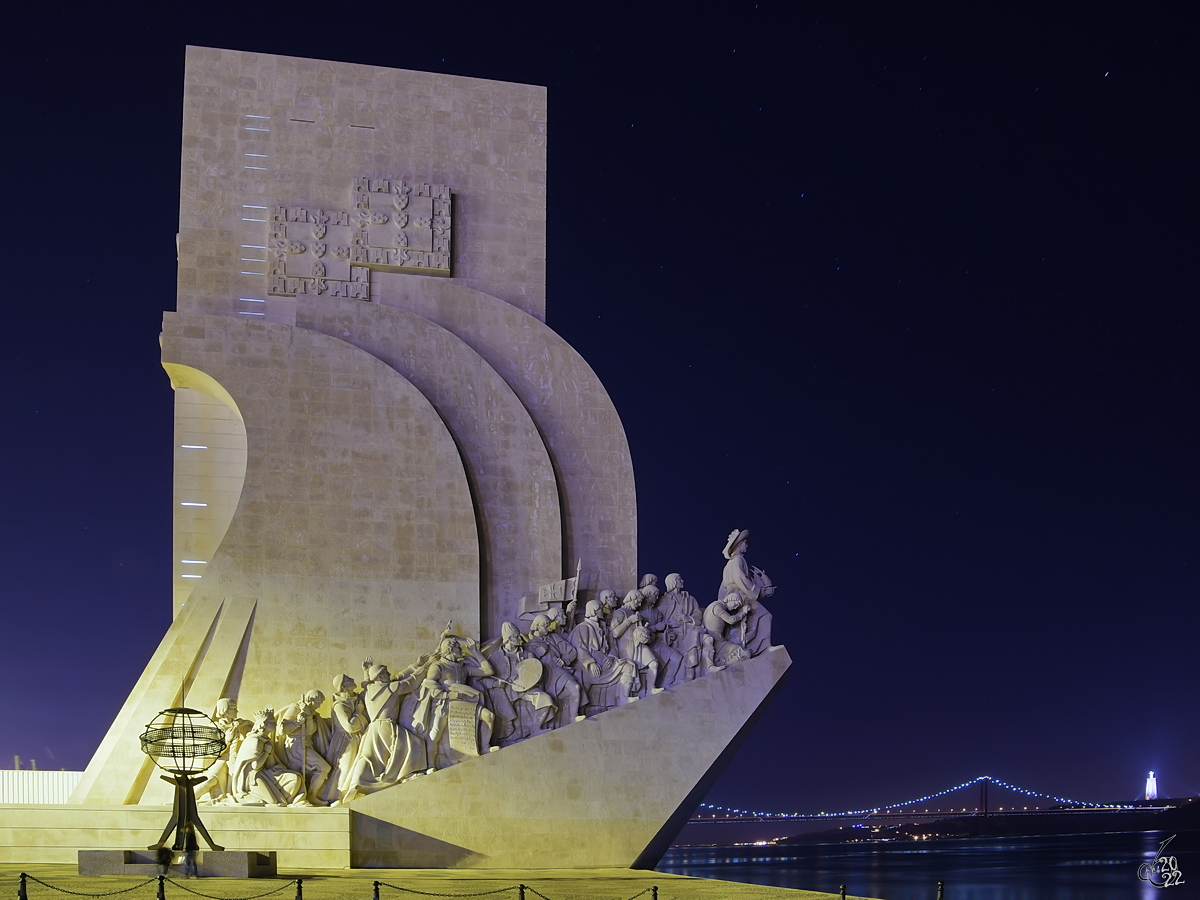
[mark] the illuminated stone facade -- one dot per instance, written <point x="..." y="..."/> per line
<point x="377" y="435"/>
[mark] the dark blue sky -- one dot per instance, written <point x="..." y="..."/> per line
<point x="908" y="293"/>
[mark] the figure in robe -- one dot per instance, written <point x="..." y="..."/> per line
<point x="450" y="712"/>
<point x="684" y="632"/>
<point x="257" y="777"/>
<point x="348" y="720"/>
<point x="225" y="717"/>
<point x="670" y="659"/>
<point x="388" y="751"/>
<point x="558" y="656"/>
<point x="623" y="622"/>
<point x="751" y="583"/>
<point x="607" y="681"/>
<point x="521" y="709"/>
<point x="301" y="742"/>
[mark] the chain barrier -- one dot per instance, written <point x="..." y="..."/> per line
<point x="521" y="889"/>
<point x="516" y="887"/>
<point x="22" y="892"/>
<point x="652" y="891"/>
<point x="184" y="887"/>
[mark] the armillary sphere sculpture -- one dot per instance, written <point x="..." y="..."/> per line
<point x="183" y="742"/>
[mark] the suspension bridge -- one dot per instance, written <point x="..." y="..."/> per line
<point x="935" y="806"/>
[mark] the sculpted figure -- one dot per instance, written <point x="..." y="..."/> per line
<point x="648" y="580"/>
<point x="724" y="620"/>
<point x="387" y="750"/>
<point x="558" y="657"/>
<point x="226" y="718"/>
<point x="521" y="710"/>
<point x="608" y="603"/>
<point x="455" y="732"/>
<point x="644" y="659"/>
<point x="751" y="583"/>
<point x="348" y="720"/>
<point x="559" y="621"/>
<point x="649" y="609"/>
<point x="303" y="738"/>
<point x="723" y="613"/>
<point x="257" y="777"/>
<point x="623" y="622"/>
<point x="684" y="632"/>
<point x="607" y="680"/>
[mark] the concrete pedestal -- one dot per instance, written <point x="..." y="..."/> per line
<point x="209" y="863"/>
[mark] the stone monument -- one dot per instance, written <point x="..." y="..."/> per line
<point x="387" y="468"/>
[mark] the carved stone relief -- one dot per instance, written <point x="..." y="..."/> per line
<point x="461" y="700"/>
<point x="394" y="226"/>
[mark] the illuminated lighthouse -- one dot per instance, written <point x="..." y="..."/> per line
<point x="1151" y="787"/>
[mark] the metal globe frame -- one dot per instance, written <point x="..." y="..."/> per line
<point x="184" y="742"/>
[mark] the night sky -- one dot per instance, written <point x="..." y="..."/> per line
<point x="908" y="293"/>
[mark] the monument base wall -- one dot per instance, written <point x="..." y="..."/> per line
<point x="301" y="838"/>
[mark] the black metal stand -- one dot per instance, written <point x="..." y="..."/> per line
<point x="185" y="820"/>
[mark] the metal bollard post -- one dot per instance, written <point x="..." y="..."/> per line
<point x="843" y="894"/>
<point x="162" y="887"/>
<point x="22" y="890"/>
<point x="941" y="889"/>
<point x="375" y="896"/>
<point x="299" y="889"/>
<point x="520" y="892"/>
<point x="654" y="892"/>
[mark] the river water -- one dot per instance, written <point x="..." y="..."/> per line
<point x="1060" y="867"/>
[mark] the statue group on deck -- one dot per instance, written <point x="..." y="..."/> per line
<point x="464" y="699"/>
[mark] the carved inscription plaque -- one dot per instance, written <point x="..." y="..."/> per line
<point x="460" y="727"/>
<point x="392" y="226"/>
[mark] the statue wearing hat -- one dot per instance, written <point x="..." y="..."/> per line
<point x="750" y="583"/>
